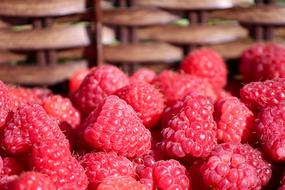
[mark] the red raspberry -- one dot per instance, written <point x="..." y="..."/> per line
<point x="234" y="120"/>
<point x="101" y="165"/>
<point x="10" y="167"/>
<point x="207" y="64"/>
<point x="166" y="175"/>
<point x="42" y="93"/>
<point x="20" y="96"/>
<point x="32" y="181"/>
<point x="271" y="132"/>
<point x="175" y="86"/>
<point x="116" y="127"/>
<point x="236" y="166"/>
<point x="76" y="79"/>
<point x="7" y="181"/>
<point x="282" y="187"/>
<point x="197" y="181"/>
<point x="55" y="160"/>
<point x="28" y="125"/>
<point x="170" y="111"/>
<point x="121" y="183"/>
<point x="145" y="99"/>
<point x="258" y="95"/>
<point x="98" y="84"/>
<point x="143" y="74"/>
<point x="192" y="131"/>
<point x="263" y="62"/>
<point x="63" y="110"/>
<point x="5" y="103"/>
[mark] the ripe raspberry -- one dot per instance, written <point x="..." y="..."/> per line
<point x="170" y="111"/>
<point x="5" y="103"/>
<point x="1" y="164"/>
<point x="271" y="131"/>
<point x="263" y="62"/>
<point x="101" y="165"/>
<point x="257" y="95"/>
<point x="236" y="166"/>
<point x="116" y="127"/>
<point x="145" y="99"/>
<point x="63" y="110"/>
<point x="175" y="86"/>
<point x="20" y="96"/>
<point x="10" y="167"/>
<point x="76" y="80"/>
<point x="28" y="125"/>
<point x="234" y="120"/>
<point x="121" y="183"/>
<point x="143" y="74"/>
<point x="98" y="84"/>
<point x="42" y="93"/>
<point x="191" y="132"/>
<point x="282" y="187"/>
<point x="207" y="64"/>
<point x="55" y="160"/>
<point x="7" y="181"/>
<point x="197" y="181"/>
<point x="32" y="181"/>
<point x="166" y="175"/>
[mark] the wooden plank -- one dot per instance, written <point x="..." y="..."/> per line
<point x="36" y="8"/>
<point x="263" y="15"/>
<point x="193" y="4"/>
<point x="204" y="34"/>
<point x="142" y="53"/>
<point x="37" y="75"/>
<point x="136" y="17"/>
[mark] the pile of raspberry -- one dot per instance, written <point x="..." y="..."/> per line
<point x="190" y="129"/>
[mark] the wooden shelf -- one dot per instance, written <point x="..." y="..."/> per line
<point x="193" y="35"/>
<point x="136" y="17"/>
<point x="194" y="4"/>
<point x="36" y="75"/>
<point x="142" y="53"/>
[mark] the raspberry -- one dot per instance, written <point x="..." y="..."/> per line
<point x="257" y="95"/>
<point x="192" y="131"/>
<point x="143" y="74"/>
<point x="62" y="109"/>
<point x="207" y="64"/>
<point x="166" y="175"/>
<point x="20" y="96"/>
<point x="234" y="120"/>
<point x="10" y="167"/>
<point x="170" y="111"/>
<point x="7" y="181"/>
<point x="271" y="132"/>
<point x="28" y="125"/>
<point x="195" y="176"/>
<point x="98" y="84"/>
<point x="236" y="166"/>
<point x="121" y="183"/>
<point x="116" y="127"/>
<point x="101" y="165"/>
<point x="145" y="100"/>
<point x="76" y="79"/>
<point x="41" y="93"/>
<point x="1" y="164"/>
<point x="55" y="160"/>
<point x="175" y="86"/>
<point x="263" y="62"/>
<point x="32" y="181"/>
<point x="5" y="103"/>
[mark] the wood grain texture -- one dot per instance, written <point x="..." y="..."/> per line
<point x="193" y="35"/>
<point x="36" y="8"/>
<point x="53" y="38"/>
<point x="142" y="53"/>
<point x="136" y="17"/>
<point x="193" y="4"/>
<point x="265" y="15"/>
<point x="36" y="75"/>
<point x="233" y="50"/>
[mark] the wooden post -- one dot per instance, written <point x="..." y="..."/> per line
<point x="98" y="33"/>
